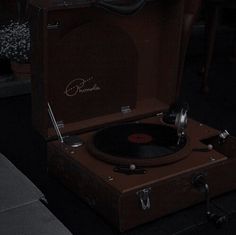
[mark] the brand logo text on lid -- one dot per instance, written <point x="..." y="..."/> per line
<point x="80" y="86"/>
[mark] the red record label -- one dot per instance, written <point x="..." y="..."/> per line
<point x="140" y="138"/>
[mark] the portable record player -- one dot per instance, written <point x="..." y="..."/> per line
<point x="103" y="76"/>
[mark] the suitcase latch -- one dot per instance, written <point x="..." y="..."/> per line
<point x="144" y="198"/>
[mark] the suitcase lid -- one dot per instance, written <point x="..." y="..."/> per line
<point x="101" y="68"/>
<point x="61" y="4"/>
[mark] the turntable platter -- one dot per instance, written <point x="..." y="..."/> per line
<point x="142" y="144"/>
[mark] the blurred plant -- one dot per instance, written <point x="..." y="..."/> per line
<point x="15" y="42"/>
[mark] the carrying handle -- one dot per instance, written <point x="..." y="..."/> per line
<point x="121" y="9"/>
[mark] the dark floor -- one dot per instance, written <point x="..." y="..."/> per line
<point x="218" y="109"/>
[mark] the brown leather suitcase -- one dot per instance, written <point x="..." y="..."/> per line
<point x="132" y="59"/>
<point x="99" y="66"/>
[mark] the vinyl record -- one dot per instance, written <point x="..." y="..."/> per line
<point x="137" y="143"/>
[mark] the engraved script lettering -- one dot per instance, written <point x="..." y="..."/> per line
<point x="80" y="85"/>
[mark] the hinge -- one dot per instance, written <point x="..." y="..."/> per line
<point x="73" y="141"/>
<point x="144" y="197"/>
<point x="125" y="109"/>
<point x="60" y="124"/>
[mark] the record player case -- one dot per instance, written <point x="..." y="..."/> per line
<point x="98" y="68"/>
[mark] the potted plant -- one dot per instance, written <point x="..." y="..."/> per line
<point x="15" y="46"/>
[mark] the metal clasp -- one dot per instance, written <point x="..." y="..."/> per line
<point x="144" y="198"/>
<point x="223" y="136"/>
<point x="125" y="109"/>
<point x="60" y="124"/>
<point x="56" y="25"/>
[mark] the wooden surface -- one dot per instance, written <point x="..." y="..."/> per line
<point x="96" y="182"/>
<point x="142" y="68"/>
